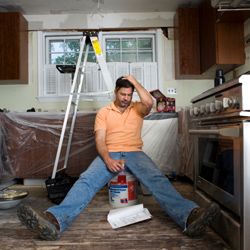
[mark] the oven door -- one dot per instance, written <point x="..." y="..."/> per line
<point x="218" y="163"/>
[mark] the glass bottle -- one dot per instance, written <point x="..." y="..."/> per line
<point x="122" y="173"/>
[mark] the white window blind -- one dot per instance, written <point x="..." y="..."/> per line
<point x="150" y="81"/>
<point x="64" y="83"/>
<point x="59" y="83"/>
<point x="122" y="69"/>
<point x="146" y="74"/>
<point x="91" y="78"/>
<point x="50" y="80"/>
<point x="136" y="69"/>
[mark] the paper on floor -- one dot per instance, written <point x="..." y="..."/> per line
<point x="121" y="217"/>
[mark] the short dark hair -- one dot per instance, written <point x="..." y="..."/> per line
<point x="123" y="83"/>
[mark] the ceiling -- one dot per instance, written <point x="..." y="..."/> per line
<point x="47" y="7"/>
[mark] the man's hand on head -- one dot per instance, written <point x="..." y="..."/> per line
<point x="131" y="78"/>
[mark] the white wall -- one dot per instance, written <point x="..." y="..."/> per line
<point x="98" y="21"/>
<point x="187" y="89"/>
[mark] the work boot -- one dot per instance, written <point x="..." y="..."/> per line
<point x="44" y="223"/>
<point x="200" y="218"/>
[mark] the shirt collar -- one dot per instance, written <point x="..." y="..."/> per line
<point x="112" y="106"/>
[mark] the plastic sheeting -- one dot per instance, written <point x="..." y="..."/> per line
<point x="186" y="144"/>
<point x="29" y="143"/>
<point x="7" y="172"/>
<point x="160" y="139"/>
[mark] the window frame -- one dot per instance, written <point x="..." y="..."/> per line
<point x="48" y="52"/>
<point x="128" y="37"/>
<point x="42" y="54"/>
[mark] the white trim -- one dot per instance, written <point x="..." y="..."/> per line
<point x="148" y="32"/>
<point x="159" y="58"/>
<point x="40" y="63"/>
<point x="44" y="99"/>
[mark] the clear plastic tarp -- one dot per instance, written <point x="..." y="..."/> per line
<point x="160" y="139"/>
<point x="186" y="144"/>
<point x="7" y="172"/>
<point x="29" y="143"/>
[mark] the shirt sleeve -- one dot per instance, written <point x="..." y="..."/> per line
<point x="136" y="105"/>
<point x="100" y="120"/>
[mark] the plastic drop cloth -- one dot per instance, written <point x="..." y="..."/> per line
<point x="29" y="143"/>
<point x="160" y="139"/>
<point x="186" y="144"/>
<point x="7" y="172"/>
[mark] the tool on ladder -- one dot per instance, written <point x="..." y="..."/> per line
<point x="88" y="38"/>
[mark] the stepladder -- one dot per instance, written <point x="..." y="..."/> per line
<point x="88" y="39"/>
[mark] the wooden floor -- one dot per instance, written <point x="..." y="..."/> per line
<point x="91" y="229"/>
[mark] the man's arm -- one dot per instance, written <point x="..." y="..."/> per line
<point x="100" y="140"/>
<point x="146" y="99"/>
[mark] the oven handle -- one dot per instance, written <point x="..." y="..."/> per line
<point x="230" y="132"/>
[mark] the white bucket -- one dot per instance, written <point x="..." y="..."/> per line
<point x="123" y="190"/>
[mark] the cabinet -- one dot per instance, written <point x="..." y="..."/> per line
<point x="206" y="41"/>
<point x="221" y="42"/>
<point x="13" y="48"/>
<point x="187" y="43"/>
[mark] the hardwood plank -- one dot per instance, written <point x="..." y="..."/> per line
<point x="91" y="229"/>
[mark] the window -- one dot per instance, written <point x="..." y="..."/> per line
<point x="65" y="51"/>
<point x="125" y="53"/>
<point x="128" y="49"/>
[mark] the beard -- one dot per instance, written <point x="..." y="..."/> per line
<point x="124" y="104"/>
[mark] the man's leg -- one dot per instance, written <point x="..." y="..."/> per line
<point x="185" y="212"/>
<point x="58" y="218"/>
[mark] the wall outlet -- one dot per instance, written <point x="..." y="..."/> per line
<point x="172" y="91"/>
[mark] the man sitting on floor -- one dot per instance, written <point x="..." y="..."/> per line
<point x="118" y="132"/>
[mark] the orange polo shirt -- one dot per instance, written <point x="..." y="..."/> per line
<point x="123" y="130"/>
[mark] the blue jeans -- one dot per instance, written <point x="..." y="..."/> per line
<point x="97" y="175"/>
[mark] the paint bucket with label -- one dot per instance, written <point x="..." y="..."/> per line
<point x="123" y="190"/>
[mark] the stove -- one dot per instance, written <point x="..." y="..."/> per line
<point x="221" y="130"/>
<point x="226" y="101"/>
